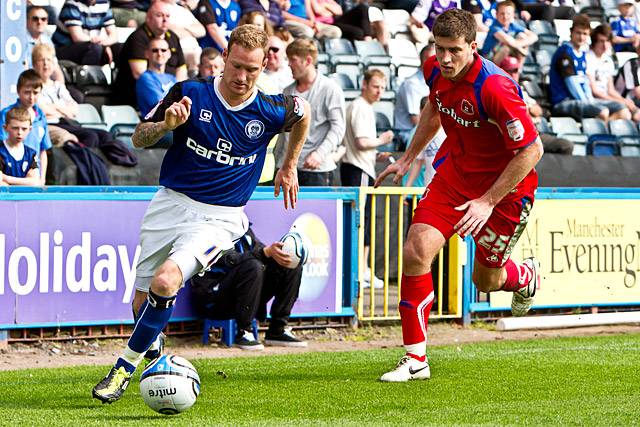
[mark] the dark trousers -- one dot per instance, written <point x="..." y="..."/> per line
<point x="353" y="176"/>
<point x="87" y="53"/>
<point x="315" y="179"/>
<point x="243" y="293"/>
<point x="355" y="24"/>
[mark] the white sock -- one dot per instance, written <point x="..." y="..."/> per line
<point x="418" y="349"/>
<point x="132" y="357"/>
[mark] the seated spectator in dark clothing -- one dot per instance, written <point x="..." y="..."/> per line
<point x="211" y="63"/>
<point x="570" y="91"/>
<point x="79" y="35"/>
<point x="361" y="22"/>
<point x="626" y="33"/>
<point x="18" y="165"/>
<point x="132" y="61"/>
<point x="544" y="10"/>
<point x="154" y="83"/>
<point x="483" y="12"/>
<point x="219" y="18"/>
<point x="551" y="144"/>
<point x="506" y="37"/>
<point x="242" y="282"/>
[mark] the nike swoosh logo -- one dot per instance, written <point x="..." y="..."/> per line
<point x="412" y="372"/>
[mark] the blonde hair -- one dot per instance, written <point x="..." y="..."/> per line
<point x="42" y="50"/>
<point x="302" y="48"/>
<point x="249" y="37"/>
<point x="20" y="114"/>
<point x="374" y="72"/>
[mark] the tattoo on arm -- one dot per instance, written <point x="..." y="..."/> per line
<point x="147" y="134"/>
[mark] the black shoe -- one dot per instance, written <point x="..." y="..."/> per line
<point x="246" y="341"/>
<point x="152" y="354"/>
<point x="283" y="339"/>
<point x="112" y="387"/>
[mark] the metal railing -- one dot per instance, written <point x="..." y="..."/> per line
<point x="447" y="269"/>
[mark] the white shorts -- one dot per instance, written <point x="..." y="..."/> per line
<point x="190" y="233"/>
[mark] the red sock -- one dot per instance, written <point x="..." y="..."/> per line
<point x="518" y="276"/>
<point x="415" y="306"/>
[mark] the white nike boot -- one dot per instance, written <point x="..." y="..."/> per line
<point x="408" y="368"/>
<point x="522" y="299"/>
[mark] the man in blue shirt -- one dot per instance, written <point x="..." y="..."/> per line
<point x="154" y="83"/>
<point x="207" y="176"/>
<point x="29" y="88"/>
<point x="569" y="90"/>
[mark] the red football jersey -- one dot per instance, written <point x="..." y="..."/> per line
<point x="486" y="121"/>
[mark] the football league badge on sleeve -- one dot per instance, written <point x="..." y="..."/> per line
<point x="515" y="129"/>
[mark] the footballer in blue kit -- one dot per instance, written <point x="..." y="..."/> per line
<point x="221" y="128"/>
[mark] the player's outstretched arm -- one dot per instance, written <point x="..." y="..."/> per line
<point x="287" y="176"/>
<point x="147" y="134"/>
<point x="428" y="126"/>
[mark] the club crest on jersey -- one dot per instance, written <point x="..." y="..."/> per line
<point x="450" y="111"/>
<point x="254" y="129"/>
<point x="467" y="107"/>
<point x="515" y="129"/>
<point x="205" y="116"/>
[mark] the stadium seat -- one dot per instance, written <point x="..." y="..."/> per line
<point x="386" y="108"/>
<point x="92" y="81"/>
<point x="404" y="71"/>
<point x="68" y="70"/>
<point x="535" y="91"/>
<point x="543" y="126"/>
<point x="543" y="59"/>
<point x="563" y="29"/>
<point x="229" y="329"/>
<point x="403" y="52"/>
<point x="121" y="121"/>
<point x="351" y="70"/>
<point x="567" y="128"/>
<point x="343" y="80"/>
<point x="600" y="141"/>
<point x="323" y="68"/>
<point x="339" y="47"/>
<point x="371" y="53"/>
<point x="627" y="136"/>
<point x="396" y="20"/>
<point x="545" y="32"/>
<point x="89" y="117"/>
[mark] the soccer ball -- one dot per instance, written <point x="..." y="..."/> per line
<point x="294" y="245"/>
<point x="170" y="385"/>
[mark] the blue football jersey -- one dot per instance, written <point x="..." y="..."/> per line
<point x="217" y="155"/>
<point x="17" y="168"/>
<point x="565" y="63"/>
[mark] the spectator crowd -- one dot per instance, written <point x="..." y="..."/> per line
<point x="357" y="63"/>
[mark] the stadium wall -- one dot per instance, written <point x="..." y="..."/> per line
<point x="588" y="244"/>
<point x="12" y="47"/>
<point x="68" y="254"/>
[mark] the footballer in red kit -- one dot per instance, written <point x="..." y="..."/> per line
<point x="484" y="184"/>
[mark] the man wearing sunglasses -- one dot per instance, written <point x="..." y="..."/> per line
<point x="155" y="82"/>
<point x="37" y="20"/>
<point x="277" y="68"/>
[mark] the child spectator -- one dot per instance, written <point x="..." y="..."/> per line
<point x="18" y="165"/>
<point x="154" y="83"/>
<point x="29" y="88"/>
<point x="626" y="34"/>
<point x="506" y="37"/>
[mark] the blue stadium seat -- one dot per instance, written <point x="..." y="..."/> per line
<point x="343" y="80"/>
<point x="601" y="142"/>
<point x="627" y="135"/>
<point x="567" y="128"/>
<point x="229" y="330"/>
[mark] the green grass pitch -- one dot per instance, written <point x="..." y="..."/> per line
<point x="577" y="381"/>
